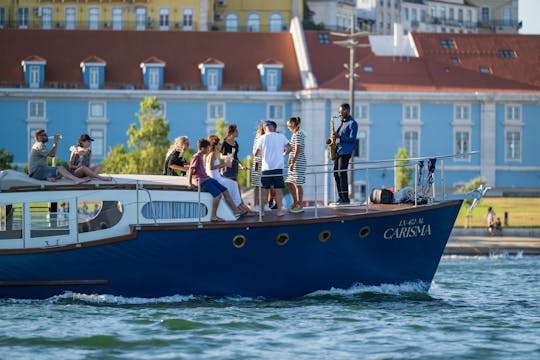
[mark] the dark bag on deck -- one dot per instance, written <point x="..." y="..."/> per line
<point x="381" y="196"/>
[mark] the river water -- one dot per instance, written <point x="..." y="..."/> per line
<point x="477" y="308"/>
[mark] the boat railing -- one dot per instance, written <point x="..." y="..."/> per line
<point x="423" y="189"/>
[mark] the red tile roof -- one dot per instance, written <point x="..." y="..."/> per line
<point x="93" y="59"/>
<point x="434" y="69"/>
<point x="212" y="61"/>
<point x="125" y="50"/>
<point x="153" y="60"/>
<point x="34" y="58"/>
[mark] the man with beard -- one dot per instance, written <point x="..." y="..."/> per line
<point x="39" y="169"/>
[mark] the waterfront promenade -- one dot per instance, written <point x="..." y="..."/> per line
<point x="478" y="242"/>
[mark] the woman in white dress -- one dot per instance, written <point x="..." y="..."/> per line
<point x="213" y="166"/>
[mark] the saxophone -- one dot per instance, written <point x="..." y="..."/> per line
<point x="332" y="146"/>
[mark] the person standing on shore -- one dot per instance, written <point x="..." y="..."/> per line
<point x="345" y="137"/>
<point x="490" y="221"/>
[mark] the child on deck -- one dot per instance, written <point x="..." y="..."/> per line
<point x="197" y="171"/>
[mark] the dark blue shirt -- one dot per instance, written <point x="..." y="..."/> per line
<point x="347" y="136"/>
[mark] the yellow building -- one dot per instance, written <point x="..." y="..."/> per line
<point x="185" y="15"/>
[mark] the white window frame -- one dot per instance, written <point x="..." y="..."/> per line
<point x="37" y="109"/>
<point x="275" y="112"/>
<point x="231" y="22"/>
<point x="411" y="124"/>
<point x="411" y="145"/>
<point x="2" y="17"/>
<point x="140" y="18"/>
<point x="275" y="22"/>
<point x="153" y="78"/>
<point x="93" y="18"/>
<point x="46" y="17"/>
<point x="34" y="76"/>
<point x="216" y="110"/>
<point x="117" y="18"/>
<point x="164" y="18"/>
<point x="23" y="15"/>
<point x="212" y="76"/>
<point x="513" y="123"/>
<point x="363" y="151"/>
<point x="70" y="17"/>
<point x="462" y="112"/>
<point x="361" y="111"/>
<point x="253" y="23"/>
<point x="93" y="77"/>
<point x="411" y="112"/>
<point x="272" y="79"/>
<point x="462" y="125"/>
<point x="187" y="19"/>
<point x="99" y="145"/>
<point x="96" y="105"/>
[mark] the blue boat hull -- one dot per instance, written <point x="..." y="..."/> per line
<point x="372" y="249"/>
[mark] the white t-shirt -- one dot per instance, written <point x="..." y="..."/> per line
<point x="272" y="145"/>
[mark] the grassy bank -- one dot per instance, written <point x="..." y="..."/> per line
<point x="522" y="212"/>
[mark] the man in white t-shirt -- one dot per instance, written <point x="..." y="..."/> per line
<point x="273" y="147"/>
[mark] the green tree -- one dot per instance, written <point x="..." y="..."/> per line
<point x="6" y="158"/>
<point x="221" y="128"/>
<point x="470" y="186"/>
<point x="403" y="172"/>
<point x="147" y="144"/>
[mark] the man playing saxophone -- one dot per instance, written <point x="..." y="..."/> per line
<point x="345" y="137"/>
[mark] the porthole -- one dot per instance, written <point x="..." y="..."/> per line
<point x="282" y="239"/>
<point x="324" y="236"/>
<point x="239" y="241"/>
<point x="364" y="232"/>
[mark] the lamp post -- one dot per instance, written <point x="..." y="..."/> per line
<point x="352" y="43"/>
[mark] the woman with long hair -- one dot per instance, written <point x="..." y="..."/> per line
<point x="230" y="149"/>
<point x="296" y="176"/>
<point x="80" y="161"/>
<point x="174" y="159"/>
<point x="213" y="167"/>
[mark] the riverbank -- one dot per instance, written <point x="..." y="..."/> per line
<point x="476" y="241"/>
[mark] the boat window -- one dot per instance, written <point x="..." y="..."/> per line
<point x="11" y="221"/>
<point x="49" y="219"/>
<point x="173" y="210"/>
<point x="98" y="215"/>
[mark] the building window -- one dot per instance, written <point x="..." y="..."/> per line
<point x="513" y="113"/>
<point x="361" y="111"/>
<point x="187" y="19"/>
<point x="411" y="112"/>
<point x="272" y="80"/>
<point x="484" y="14"/>
<point x="485" y="70"/>
<point x="448" y="44"/>
<point x="275" y="112"/>
<point x="22" y="17"/>
<point x="231" y="22"/>
<point x="254" y="23"/>
<point x="117" y="18"/>
<point x="36" y="109"/>
<point x="34" y="76"/>
<point x="212" y="79"/>
<point x="275" y="23"/>
<point x="96" y="110"/>
<point x="98" y="145"/>
<point x="507" y="16"/>
<point x="362" y="138"/>
<point x="2" y="17"/>
<point x="216" y="111"/>
<point x="512" y="145"/>
<point x="93" y="78"/>
<point x="93" y="18"/>
<point x="406" y="14"/>
<point x="462" y="112"/>
<point x="411" y="144"/>
<point x="507" y="54"/>
<point x="153" y="79"/>
<point x="46" y="17"/>
<point x="140" y="18"/>
<point x="323" y="38"/>
<point x="70" y="18"/>
<point x="164" y="18"/>
<point x="462" y="143"/>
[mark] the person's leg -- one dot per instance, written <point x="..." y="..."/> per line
<point x="256" y="196"/>
<point x="66" y="174"/>
<point x="299" y="194"/>
<point x="279" y="201"/>
<point x="294" y="193"/>
<point x="344" y="181"/>
<point x="337" y="177"/>
<point x="236" y="210"/>
<point x="215" y="204"/>
<point x="85" y="171"/>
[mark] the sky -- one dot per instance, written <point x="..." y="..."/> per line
<point x="528" y="13"/>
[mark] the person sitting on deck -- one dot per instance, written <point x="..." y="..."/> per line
<point x="197" y="171"/>
<point x="38" y="167"/>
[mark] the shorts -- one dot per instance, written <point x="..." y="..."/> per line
<point x="272" y="177"/>
<point x="213" y="187"/>
<point x="45" y="172"/>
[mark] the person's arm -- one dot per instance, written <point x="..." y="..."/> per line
<point x="348" y="135"/>
<point x="52" y="153"/>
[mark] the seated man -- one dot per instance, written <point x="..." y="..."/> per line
<point x="197" y="171"/>
<point x="39" y="169"/>
<point x="498" y="226"/>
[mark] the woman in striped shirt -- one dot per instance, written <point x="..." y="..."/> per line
<point x="296" y="176"/>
